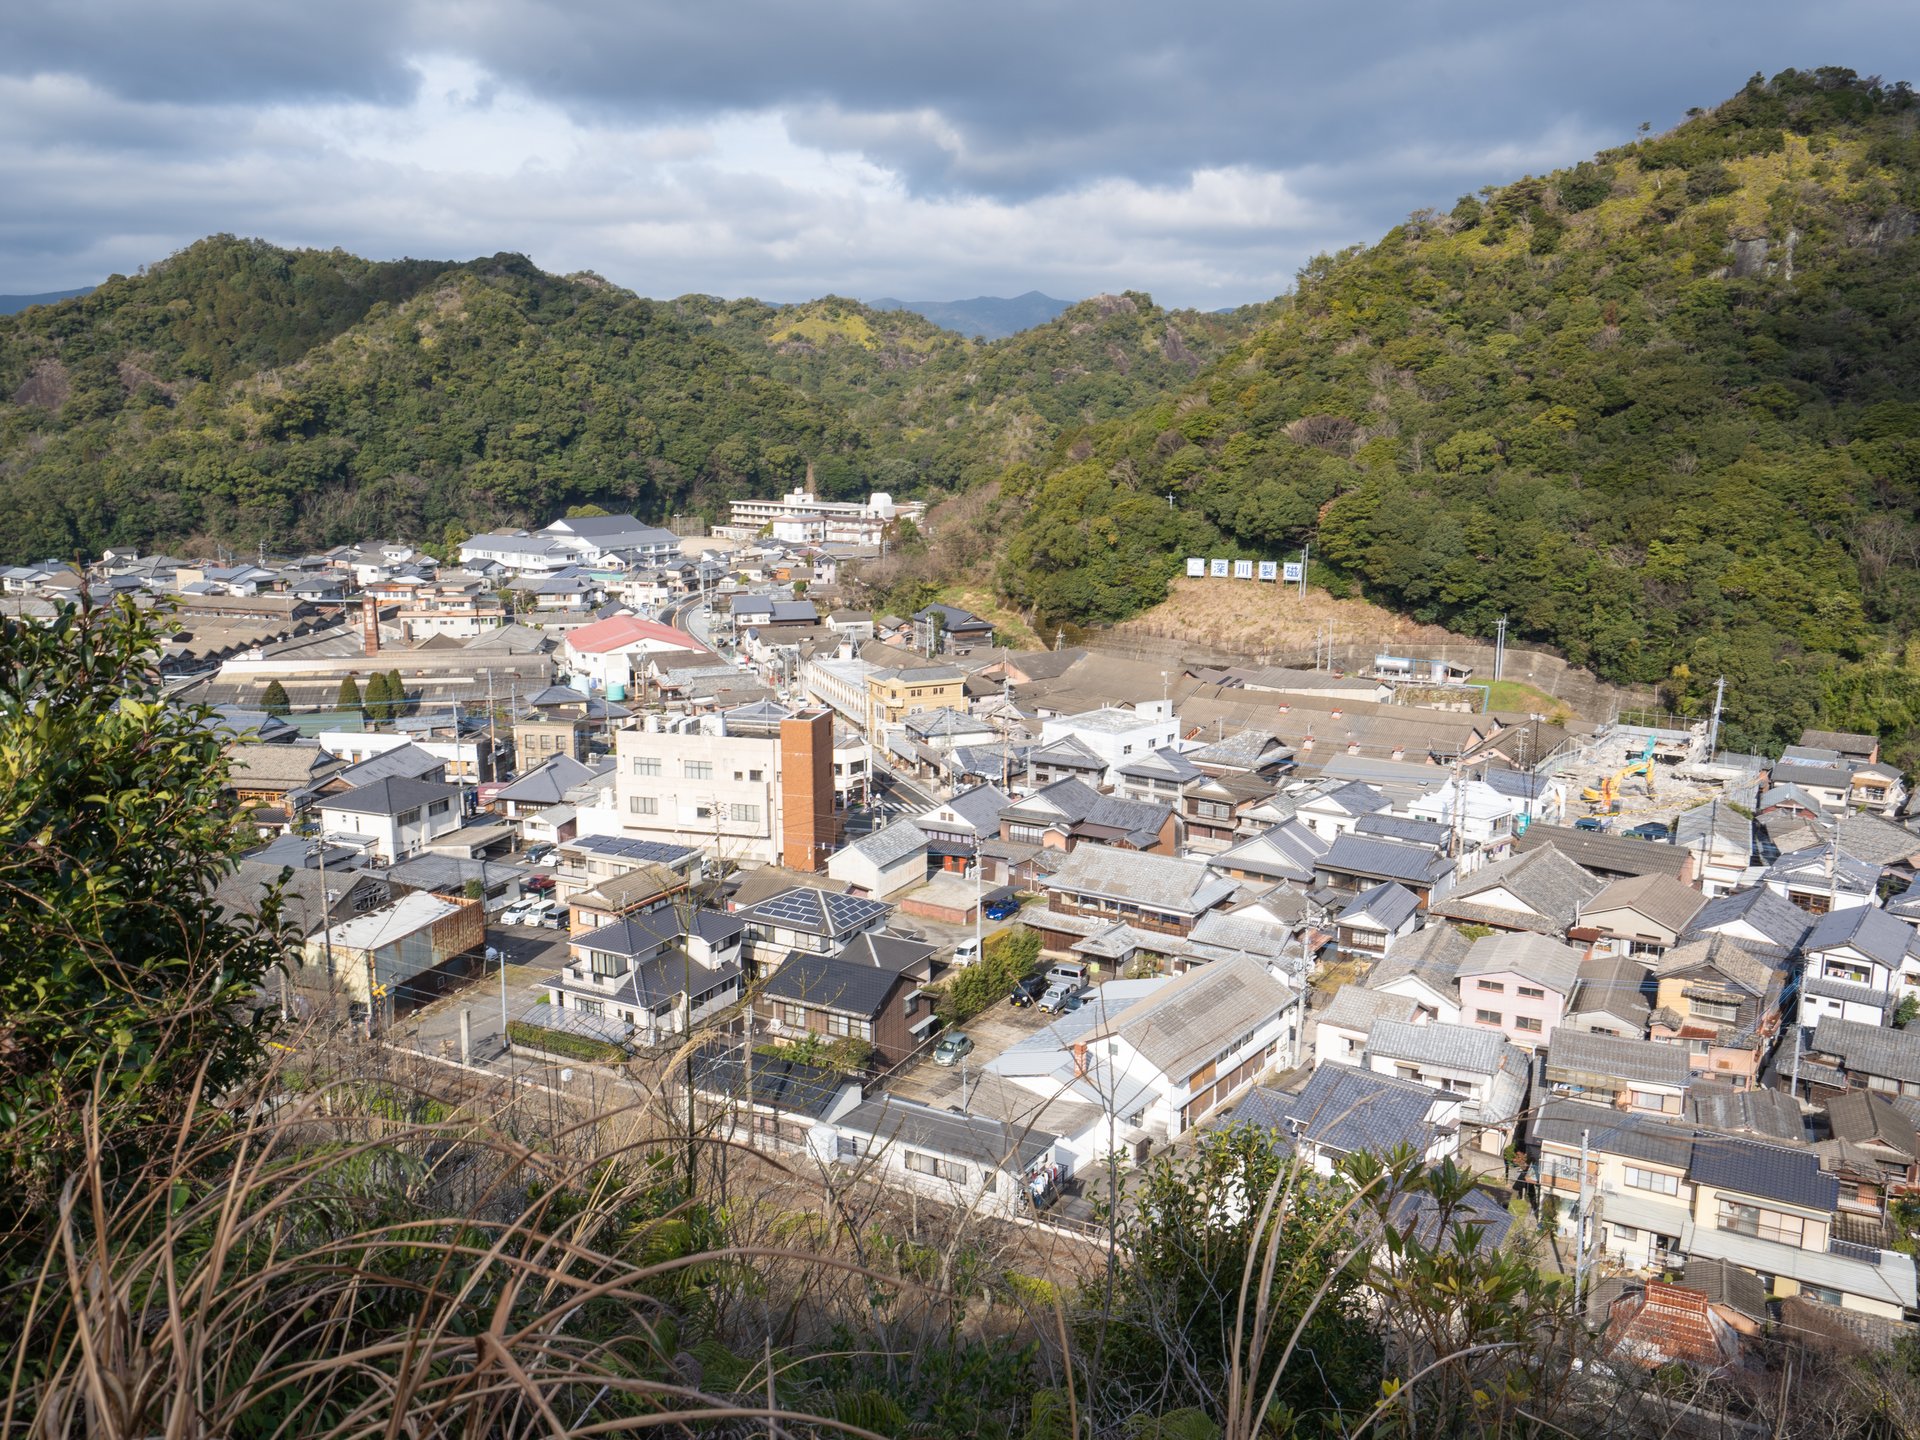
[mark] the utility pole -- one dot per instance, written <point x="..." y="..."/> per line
<point x="1499" y="646"/>
<point x="1580" y="1231"/>
<point x="1306" y="553"/>
<point x="1799" y="1035"/>
<point x="1713" y="729"/>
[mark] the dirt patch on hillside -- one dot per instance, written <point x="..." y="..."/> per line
<point x="1250" y="618"/>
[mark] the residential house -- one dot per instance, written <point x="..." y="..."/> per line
<point x="1873" y="1152"/>
<point x="1479" y="816"/>
<point x="1631" y="1075"/>
<point x="1659" y="1324"/>
<point x="1114" y="735"/>
<point x="279" y="782"/>
<point x="1251" y="753"/>
<point x="384" y="954"/>
<point x="1636" y="1179"/>
<point x="1068" y="758"/>
<point x="1333" y="812"/>
<point x="607" y="655"/>
<point x="1820" y="774"/>
<point x="1344" y="1111"/>
<point x="886" y="863"/>
<point x="1370" y="924"/>
<point x="1354" y="863"/>
<point x="1540" y="891"/>
<point x="1069" y="814"/>
<point x="1099" y="885"/>
<point x="1770" y="1209"/>
<point x="642" y="889"/>
<point x="1518" y="983"/>
<point x="1288" y="851"/>
<point x="1722" y="1003"/>
<point x="973" y="1162"/>
<point x="1822" y="878"/>
<point x="1760" y="919"/>
<point x="938" y="628"/>
<point x="957" y="827"/>
<point x="804" y="921"/>
<point x="1848" y="1055"/>
<point x="1611" y="857"/>
<point x="873" y="993"/>
<point x="1643" y="915"/>
<point x="1342" y="1029"/>
<point x="894" y="694"/>
<point x="1424" y="968"/>
<point x="1217" y="810"/>
<point x="1720" y="841"/>
<point x="640" y="972"/>
<point x="763" y="1100"/>
<point x="1846" y="744"/>
<point x="393" y="818"/>
<point x="1877" y="841"/>
<point x="1479" y="1065"/>
<point x="1162" y="776"/>
<point x="586" y="860"/>
<point x="1756" y="1112"/>
<point x="1610" y="997"/>
<point x="1858" y="967"/>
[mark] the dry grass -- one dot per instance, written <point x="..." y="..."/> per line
<point x="1246" y="617"/>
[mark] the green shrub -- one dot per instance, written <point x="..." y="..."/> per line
<point x="563" y="1042"/>
<point x="1003" y="959"/>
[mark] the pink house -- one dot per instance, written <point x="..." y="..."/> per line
<point x="1518" y="984"/>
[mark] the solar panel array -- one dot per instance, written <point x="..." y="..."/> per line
<point x="657" y="851"/>
<point x="804" y="909"/>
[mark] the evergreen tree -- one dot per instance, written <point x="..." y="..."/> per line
<point x="396" y="695"/>
<point x="349" y="696"/>
<point x="274" y="699"/>
<point x="379" y="703"/>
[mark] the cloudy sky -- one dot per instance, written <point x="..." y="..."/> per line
<point x="869" y="147"/>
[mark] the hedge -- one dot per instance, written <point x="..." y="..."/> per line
<point x="563" y="1042"/>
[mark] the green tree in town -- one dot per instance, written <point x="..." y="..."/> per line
<point x="349" y="697"/>
<point x="376" y="703"/>
<point x="274" y="699"/>
<point x="124" y="978"/>
<point x="396" y="695"/>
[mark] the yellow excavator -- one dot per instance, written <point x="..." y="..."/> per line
<point x="1609" y="788"/>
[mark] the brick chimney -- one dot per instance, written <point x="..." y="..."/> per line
<point x="1079" y="1059"/>
<point x="370" y="625"/>
<point x="809" y="826"/>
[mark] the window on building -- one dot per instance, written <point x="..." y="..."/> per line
<point x="794" y="1015"/>
<point x="1487" y="1017"/>
<point x="697" y="769"/>
<point x="646" y="764"/>
<point x="756" y="776"/>
<point x="744" y="814"/>
<point x="591" y="1007"/>
<point x="1642" y="1179"/>
<point x="1744" y="1219"/>
<point x="1498" y="987"/>
<point x="1532" y="992"/>
<point x="1653" y="1100"/>
<point x="846" y="1147"/>
<point x="933" y="1165"/>
<point x="1530" y="1023"/>
<point x="643" y="804"/>
<point x="1718" y="1010"/>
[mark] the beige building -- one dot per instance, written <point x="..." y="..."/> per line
<point x="753" y="786"/>
<point x="892" y="695"/>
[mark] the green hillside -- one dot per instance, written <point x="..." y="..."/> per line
<point x="950" y="411"/>
<point x="1662" y="408"/>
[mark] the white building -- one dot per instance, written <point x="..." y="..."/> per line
<point x="800" y="517"/>
<point x="1117" y="736"/>
<point x="608" y="652"/>
<point x="393" y="818"/>
<point x="1483" y="815"/>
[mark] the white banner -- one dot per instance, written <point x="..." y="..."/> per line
<point x="1220" y="569"/>
<point x="1291" y="572"/>
<point x="1268" y="570"/>
<point x="1243" y="569"/>
<point x="1196" y="568"/>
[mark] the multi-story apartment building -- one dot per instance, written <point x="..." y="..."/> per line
<point x="801" y="517"/>
<point x="754" y="786"/>
<point x="892" y="695"/>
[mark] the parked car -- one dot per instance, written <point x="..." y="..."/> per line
<point x="540" y="884"/>
<point x="1061" y="996"/>
<point x="954" y="1045"/>
<point x="1590" y="822"/>
<point x="1001" y="909"/>
<point x="1026" y="990"/>
<point x="537" y="911"/>
<point x="538" y="855"/>
<point x="966" y="952"/>
<point x="1068" y="972"/>
<point x="1652" y="830"/>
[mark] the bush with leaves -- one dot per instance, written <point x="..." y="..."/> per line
<point x="348" y="698"/>
<point x="274" y="699"/>
<point x="1004" y="958"/>
<point x="123" y="979"/>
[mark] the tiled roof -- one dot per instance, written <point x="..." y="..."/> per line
<point x="1545" y="880"/>
<point x="1869" y="930"/>
<point x="1156" y="882"/>
<point x="1356" y="1007"/>
<point x="1613" y="985"/>
<point x="633" y="934"/>
<point x="1385" y="859"/>
<point x="1772" y="915"/>
<point x="1612" y="1132"/>
<point x="1728" y="1285"/>
<point x="1460" y="1047"/>
<point x="900" y="839"/>
<point x="1183" y="1025"/>
<point x="1772" y="1172"/>
<point x="1660" y="898"/>
<point x="1387" y="907"/>
<point x="1432" y="953"/>
<point x="826" y="982"/>
<point x="1605" y="854"/>
<point x="389" y="797"/>
<point x="1348" y="1110"/>
<point x="1864" y="1117"/>
<point x="1768" y="1114"/>
<point x="1533" y="957"/>
<point x="816" y="911"/>
<point x="1634" y="1061"/>
<point x="891" y="1120"/>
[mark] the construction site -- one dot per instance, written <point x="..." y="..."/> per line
<point x="1627" y="774"/>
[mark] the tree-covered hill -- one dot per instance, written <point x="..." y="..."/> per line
<point x="1662" y="409"/>
<point x="947" y="410"/>
<point x="243" y="393"/>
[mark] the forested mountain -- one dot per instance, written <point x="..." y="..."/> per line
<point x="985" y="317"/>
<point x="947" y="411"/>
<point x="9" y="304"/>
<point x="243" y="393"/>
<point x="1662" y="409"/>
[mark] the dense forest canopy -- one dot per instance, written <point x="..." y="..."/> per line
<point x="243" y="393"/>
<point x="1662" y="409"/>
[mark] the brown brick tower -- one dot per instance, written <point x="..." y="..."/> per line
<point x="809" y="826"/>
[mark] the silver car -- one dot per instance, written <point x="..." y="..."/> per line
<point x="1060" y="998"/>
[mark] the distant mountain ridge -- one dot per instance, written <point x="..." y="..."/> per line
<point x="14" y="304"/>
<point x="986" y="317"/>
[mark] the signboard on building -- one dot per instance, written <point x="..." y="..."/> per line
<point x="1196" y="568"/>
<point x="1220" y="569"/>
